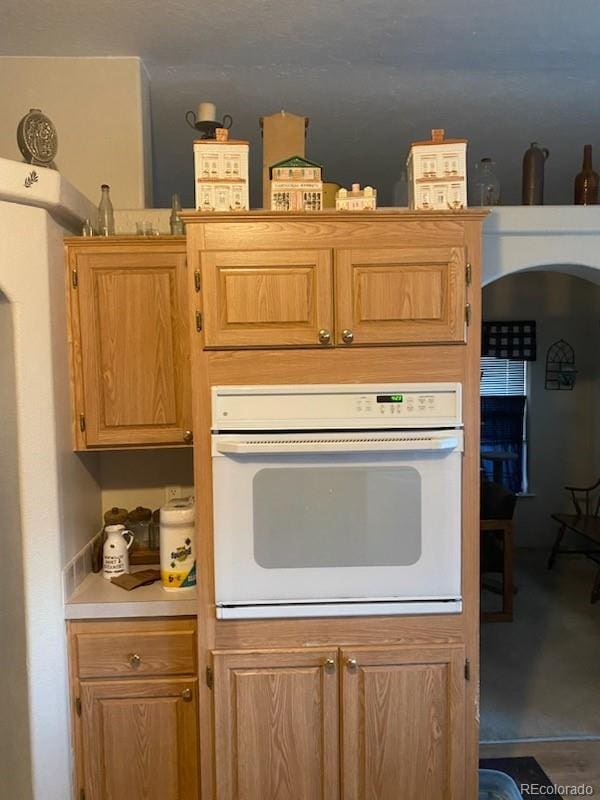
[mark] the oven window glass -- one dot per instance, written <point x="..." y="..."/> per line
<point x="337" y="517"/>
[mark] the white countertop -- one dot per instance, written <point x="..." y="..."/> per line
<point x="97" y="598"/>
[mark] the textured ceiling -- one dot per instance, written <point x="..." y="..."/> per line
<point x="371" y="75"/>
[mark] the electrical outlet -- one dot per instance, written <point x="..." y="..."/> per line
<point x="172" y="493"/>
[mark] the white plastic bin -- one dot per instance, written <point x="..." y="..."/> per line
<point x="494" y="785"/>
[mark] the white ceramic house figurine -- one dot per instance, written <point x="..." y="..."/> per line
<point x="221" y="171"/>
<point x="437" y="173"/>
<point x="356" y="199"/>
<point x="296" y="185"/>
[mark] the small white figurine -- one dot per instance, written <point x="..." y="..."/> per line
<point x="296" y="185"/>
<point x="356" y="199"/>
<point x="437" y="173"/>
<point x="221" y="171"/>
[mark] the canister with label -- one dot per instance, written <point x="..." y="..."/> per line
<point x="177" y="545"/>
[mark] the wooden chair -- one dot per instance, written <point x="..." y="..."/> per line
<point x="586" y="523"/>
<point x="505" y="527"/>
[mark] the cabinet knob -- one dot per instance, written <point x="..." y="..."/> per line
<point x="351" y="664"/>
<point x="329" y="665"/>
<point x="186" y="695"/>
<point x="135" y="660"/>
<point x="347" y="336"/>
<point x="324" y="336"/>
<point x="188" y="437"/>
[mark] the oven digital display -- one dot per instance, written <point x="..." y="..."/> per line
<point x="390" y="398"/>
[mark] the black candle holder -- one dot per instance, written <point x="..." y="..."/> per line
<point x="207" y="128"/>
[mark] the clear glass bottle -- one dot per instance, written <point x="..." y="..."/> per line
<point x="87" y="229"/>
<point x="106" y="214"/>
<point x="401" y="191"/>
<point x="175" y="221"/>
<point x="486" y="185"/>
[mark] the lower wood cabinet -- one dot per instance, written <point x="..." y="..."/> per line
<point x="403" y="723"/>
<point x="399" y="713"/>
<point x="140" y="739"/>
<point x="277" y="725"/>
<point x="135" y="709"/>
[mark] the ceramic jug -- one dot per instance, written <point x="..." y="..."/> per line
<point x="534" y="162"/>
<point x="116" y="550"/>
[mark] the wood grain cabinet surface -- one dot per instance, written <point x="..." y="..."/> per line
<point x="398" y="711"/>
<point x="277" y="725"/>
<point x="331" y="280"/>
<point x="404" y="723"/>
<point x="135" y="737"/>
<point x="129" y="339"/>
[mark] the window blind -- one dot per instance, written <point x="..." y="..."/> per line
<point x="502" y="377"/>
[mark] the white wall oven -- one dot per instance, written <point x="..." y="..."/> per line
<point x="337" y="500"/>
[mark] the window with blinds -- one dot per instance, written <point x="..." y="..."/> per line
<point x="502" y="377"/>
<point x="504" y="422"/>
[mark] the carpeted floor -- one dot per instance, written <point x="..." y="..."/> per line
<point x="540" y="675"/>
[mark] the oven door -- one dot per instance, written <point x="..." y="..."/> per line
<point x="337" y="517"/>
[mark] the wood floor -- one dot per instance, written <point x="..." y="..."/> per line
<point x="565" y="763"/>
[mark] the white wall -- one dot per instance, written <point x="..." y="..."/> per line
<point x="58" y="494"/>
<point x="130" y="478"/>
<point x="15" y="763"/>
<point x="101" y="110"/>
<point x="564" y="426"/>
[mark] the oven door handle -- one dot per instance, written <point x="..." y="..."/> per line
<point x="341" y="445"/>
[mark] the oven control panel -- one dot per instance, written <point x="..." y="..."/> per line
<point x="326" y="406"/>
<point x="402" y="404"/>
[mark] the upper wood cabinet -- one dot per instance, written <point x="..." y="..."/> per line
<point x="397" y="296"/>
<point x="266" y="298"/>
<point x="129" y="342"/>
<point x="276" y="725"/>
<point x="318" y="280"/>
<point x="404" y="723"/>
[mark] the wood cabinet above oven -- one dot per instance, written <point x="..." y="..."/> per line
<point x="327" y="280"/>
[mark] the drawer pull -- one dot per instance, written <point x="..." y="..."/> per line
<point x="135" y="660"/>
<point x="329" y="665"/>
<point x="347" y="336"/>
<point x="351" y="664"/>
<point x="186" y="695"/>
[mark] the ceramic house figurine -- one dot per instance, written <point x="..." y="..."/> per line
<point x="437" y="173"/>
<point x="356" y="199"/>
<point x="221" y="171"/>
<point x="296" y="185"/>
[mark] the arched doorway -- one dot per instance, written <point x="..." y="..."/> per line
<point x="539" y="676"/>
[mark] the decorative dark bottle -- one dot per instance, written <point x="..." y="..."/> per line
<point x="586" y="181"/>
<point x="534" y="161"/>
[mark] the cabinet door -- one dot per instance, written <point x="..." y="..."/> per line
<point x="134" y="346"/>
<point x="276" y="720"/>
<point x="267" y="298"/>
<point x="404" y="723"/>
<point x="140" y="739"/>
<point x="397" y="296"/>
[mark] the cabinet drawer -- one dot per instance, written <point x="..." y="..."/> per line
<point x="136" y="653"/>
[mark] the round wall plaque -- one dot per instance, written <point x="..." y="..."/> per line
<point x="37" y="138"/>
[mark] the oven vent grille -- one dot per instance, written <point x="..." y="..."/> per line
<point x="367" y="440"/>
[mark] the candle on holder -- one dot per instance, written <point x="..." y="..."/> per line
<point x="207" y="112"/>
